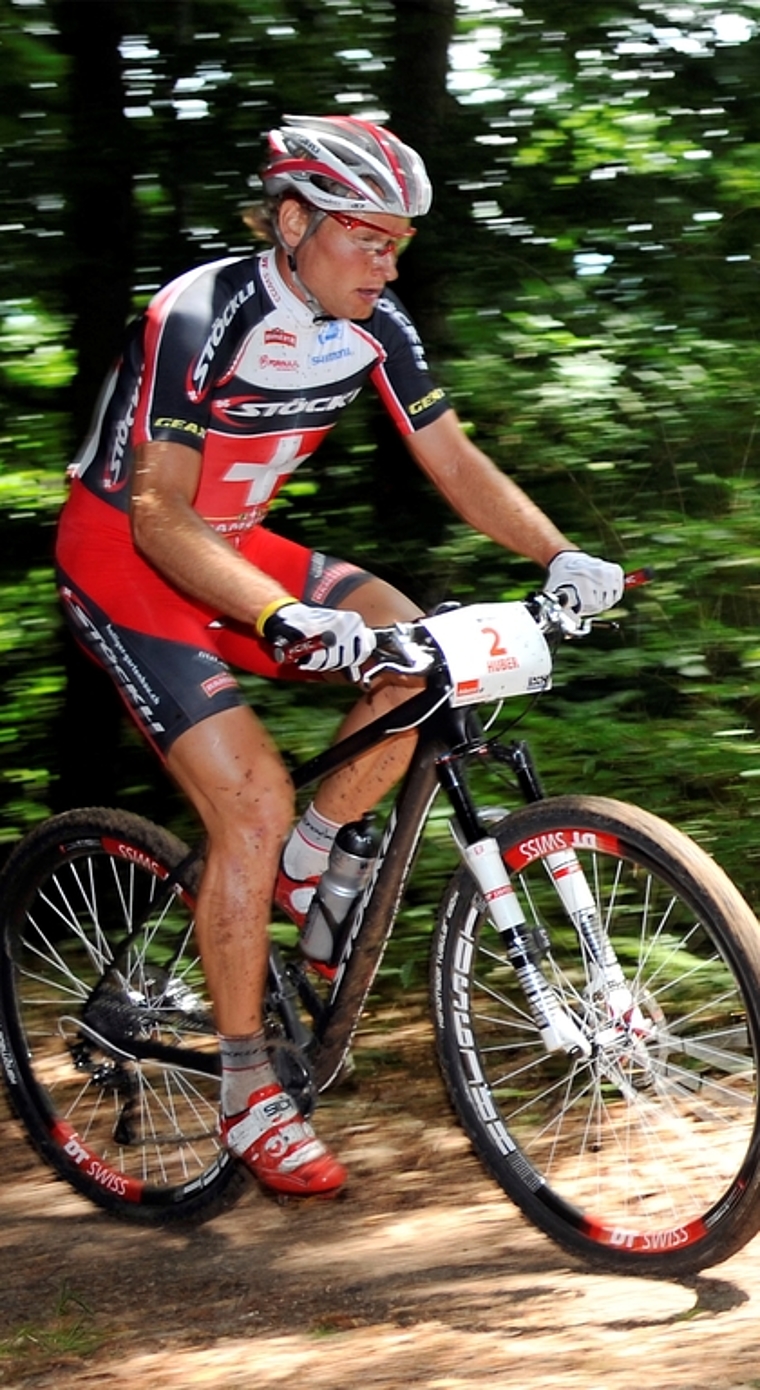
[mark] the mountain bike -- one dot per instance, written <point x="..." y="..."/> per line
<point x="594" y="982"/>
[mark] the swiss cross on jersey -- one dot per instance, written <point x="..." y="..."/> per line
<point x="236" y="492"/>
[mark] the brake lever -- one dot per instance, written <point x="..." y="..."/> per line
<point x="553" y="609"/>
<point x="397" y="652"/>
<point x="553" y="615"/>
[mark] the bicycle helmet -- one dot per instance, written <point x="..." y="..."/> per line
<point x="344" y="164"/>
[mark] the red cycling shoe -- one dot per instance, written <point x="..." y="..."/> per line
<point x="294" y="896"/>
<point x="280" y="1148"/>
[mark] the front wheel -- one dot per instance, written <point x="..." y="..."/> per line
<point x="639" y="1152"/>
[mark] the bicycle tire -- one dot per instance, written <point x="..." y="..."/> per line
<point x="644" y="1157"/>
<point x="97" y="960"/>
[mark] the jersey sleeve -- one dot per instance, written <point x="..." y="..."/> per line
<point x="401" y="376"/>
<point x="189" y="337"/>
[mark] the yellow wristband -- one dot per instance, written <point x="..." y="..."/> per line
<point x="271" y="608"/>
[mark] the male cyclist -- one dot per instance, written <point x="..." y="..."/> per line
<point x="169" y="576"/>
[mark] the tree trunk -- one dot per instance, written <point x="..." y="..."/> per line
<point x="99" y="197"/>
<point x="100" y="228"/>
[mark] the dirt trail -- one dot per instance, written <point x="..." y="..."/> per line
<point x="422" y="1276"/>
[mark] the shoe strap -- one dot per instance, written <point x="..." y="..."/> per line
<point x="267" y="1113"/>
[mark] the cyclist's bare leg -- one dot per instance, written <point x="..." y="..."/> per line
<point x="230" y="770"/>
<point x="356" y="788"/>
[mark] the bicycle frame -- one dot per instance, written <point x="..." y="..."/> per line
<point x="445" y="738"/>
<point x="447" y="735"/>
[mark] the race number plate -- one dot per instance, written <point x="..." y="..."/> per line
<point x="492" y="651"/>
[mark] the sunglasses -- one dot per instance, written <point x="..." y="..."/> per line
<point x="386" y="246"/>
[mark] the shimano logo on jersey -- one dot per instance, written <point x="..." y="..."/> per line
<point x="388" y="306"/>
<point x="299" y="405"/>
<point x="198" y="377"/>
<point x="318" y="359"/>
<point x="330" y="337"/>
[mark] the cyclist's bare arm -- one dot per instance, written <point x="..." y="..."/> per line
<point x="170" y="534"/>
<point x="481" y="494"/>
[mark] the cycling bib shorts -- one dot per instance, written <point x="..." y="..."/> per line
<point x="169" y="656"/>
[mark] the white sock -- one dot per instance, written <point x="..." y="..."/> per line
<point x="245" y="1068"/>
<point x="308" y="849"/>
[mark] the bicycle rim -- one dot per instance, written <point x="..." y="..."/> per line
<point x="98" y="971"/>
<point x="642" y="1155"/>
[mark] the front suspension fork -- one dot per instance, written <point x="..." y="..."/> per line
<point x="569" y="879"/>
<point x="481" y="854"/>
<point x="557" y="1027"/>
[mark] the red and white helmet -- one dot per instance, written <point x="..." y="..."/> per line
<point x="376" y="172"/>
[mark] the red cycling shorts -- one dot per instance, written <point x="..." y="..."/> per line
<point x="169" y="655"/>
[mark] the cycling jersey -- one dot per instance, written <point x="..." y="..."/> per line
<point x="229" y="361"/>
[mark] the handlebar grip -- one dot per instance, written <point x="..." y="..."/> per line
<point x="645" y="575"/>
<point x="292" y="653"/>
<point x="632" y="580"/>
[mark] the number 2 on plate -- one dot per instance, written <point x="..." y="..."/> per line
<point x="497" y="648"/>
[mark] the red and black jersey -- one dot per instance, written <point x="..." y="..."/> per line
<point x="229" y="361"/>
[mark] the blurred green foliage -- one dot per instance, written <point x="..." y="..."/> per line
<point x="587" y="285"/>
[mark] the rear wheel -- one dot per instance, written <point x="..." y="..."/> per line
<point x="642" y="1156"/>
<point x="109" y="1050"/>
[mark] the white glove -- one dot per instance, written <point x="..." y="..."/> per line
<point x="590" y="585"/>
<point x="330" y="639"/>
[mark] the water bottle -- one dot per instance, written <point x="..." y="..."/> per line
<point x="348" y="869"/>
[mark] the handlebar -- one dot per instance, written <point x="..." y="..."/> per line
<point x="406" y="648"/>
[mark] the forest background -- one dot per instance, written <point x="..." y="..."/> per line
<point x="586" y="285"/>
